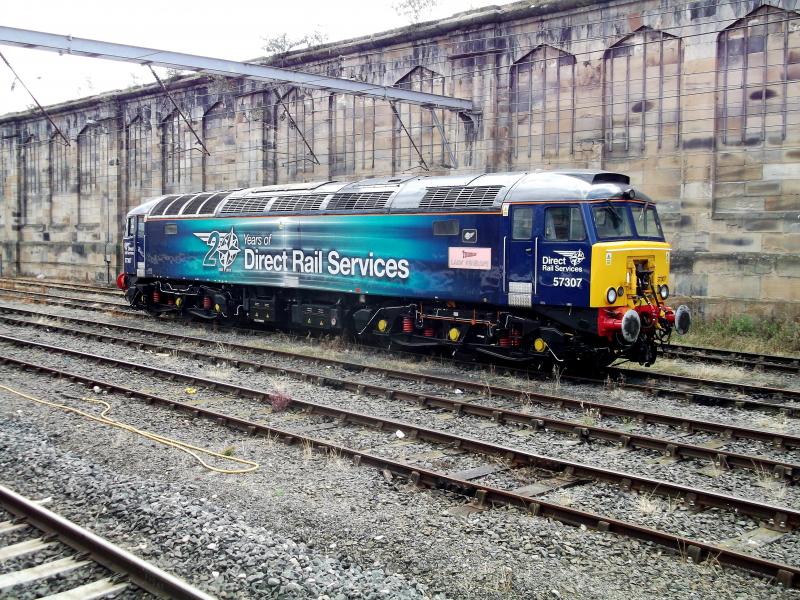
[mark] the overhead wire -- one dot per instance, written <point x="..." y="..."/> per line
<point x="574" y="132"/>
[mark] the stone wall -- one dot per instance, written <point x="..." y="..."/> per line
<point x="698" y="101"/>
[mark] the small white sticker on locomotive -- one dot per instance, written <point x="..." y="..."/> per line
<point x="608" y="258"/>
<point x="469" y="258"/>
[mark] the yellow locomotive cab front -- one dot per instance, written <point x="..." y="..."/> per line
<point x="615" y="266"/>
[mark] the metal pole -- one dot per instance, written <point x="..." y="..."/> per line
<point x="228" y="68"/>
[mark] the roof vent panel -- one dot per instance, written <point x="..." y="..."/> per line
<point x="180" y="202"/>
<point x="297" y="203"/>
<point x="245" y="206"/>
<point x="363" y="201"/>
<point x="197" y="202"/>
<point x="460" y="197"/>
<point x="159" y="208"/>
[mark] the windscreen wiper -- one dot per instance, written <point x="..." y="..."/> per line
<point x="613" y="210"/>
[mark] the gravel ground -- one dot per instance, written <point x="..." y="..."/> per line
<point x="60" y="583"/>
<point x="604" y="499"/>
<point x="614" y="393"/>
<point x="346" y="526"/>
<point x="642" y="462"/>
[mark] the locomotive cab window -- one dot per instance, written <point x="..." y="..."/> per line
<point x="522" y="223"/>
<point x="140" y="226"/>
<point x="129" y="227"/>
<point x="564" y="224"/>
<point x="449" y="227"/>
<point x="646" y="222"/>
<point x="612" y="221"/>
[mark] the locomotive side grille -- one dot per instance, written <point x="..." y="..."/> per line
<point x="196" y="203"/>
<point x="161" y="206"/>
<point x="248" y="206"/>
<point x="460" y="197"/>
<point x="363" y="201"/>
<point x="297" y="203"/>
<point x="180" y="202"/>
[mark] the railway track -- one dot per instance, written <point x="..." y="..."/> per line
<point x="692" y="389"/>
<point x="60" y="285"/>
<point x="750" y="360"/>
<point x="45" y="531"/>
<point x="693" y="394"/>
<point x="676" y="447"/>
<point x="553" y="473"/>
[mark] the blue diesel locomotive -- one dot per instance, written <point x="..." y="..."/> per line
<point x="570" y="266"/>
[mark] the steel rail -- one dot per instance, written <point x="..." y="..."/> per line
<point x="755" y="390"/>
<point x="753" y="360"/>
<point x="781" y="516"/>
<point x="146" y="576"/>
<point x="691" y="395"/>
<point x="786" y="575"/>
<point x="675" y="448"/>
<point x="81" y="303"/>
<point x="104" y="291"/>
<point x="750" y="360"/>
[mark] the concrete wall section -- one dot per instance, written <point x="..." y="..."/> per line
<point x="698" y="101"/>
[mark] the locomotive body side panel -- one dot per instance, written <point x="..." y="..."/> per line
<point x="444" y="256"/>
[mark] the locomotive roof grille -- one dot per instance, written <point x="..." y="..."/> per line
<point x="245" y="206"/>
<point x="460" y="197"/>
<point x="363" y="201"/>
<point x="197" y="202"/>
<point x="211" y="204"/>
<point x="178" y="204"/>
<point x="161" y="206"/>
<point x="297" y="203"/>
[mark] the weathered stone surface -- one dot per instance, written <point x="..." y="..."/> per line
<point x="667" y="113"/>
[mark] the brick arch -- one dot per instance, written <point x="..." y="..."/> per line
<point x="542" y="106"/>
<point x="757" y="86"/>
<point x="219" y="136"/>
<point x="642" y="93"/>
<point x="139" y="163"/>
<point x="32" y="185"/>
<point x="296" y="143"/>
<point x="416" y="141"/>
<point x="177" y="145"/>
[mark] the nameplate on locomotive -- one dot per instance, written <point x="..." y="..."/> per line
<point x="469" y="258"/>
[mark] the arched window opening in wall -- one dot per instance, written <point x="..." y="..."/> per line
<point x="295" y="145"/>
<point x="542" y="105"/>
<point x="59" y="168"/>
<point x="219" y="136"/>
<point x="31" y="179"/>
<point x="758" y="76"/>
<point x="416" y="139"/>
<point x="93" y="173"/>
<point x="353" y="134"/>
<point x="140" y="157"/>
<point x="177" y="147"/>
<point x="757" y="105"/>
<point x="642" y="93"/>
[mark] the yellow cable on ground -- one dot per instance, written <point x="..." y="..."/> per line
<point x="182" y="446"/>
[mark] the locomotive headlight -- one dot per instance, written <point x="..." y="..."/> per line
<point x="663" y="291"/>
<point x="611" y="295"/>
<point x="620" y="292"/>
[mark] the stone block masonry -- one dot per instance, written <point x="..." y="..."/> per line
<point x="697" y="101"/>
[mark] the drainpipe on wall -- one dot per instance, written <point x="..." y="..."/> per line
<point x="17" y="269"/>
